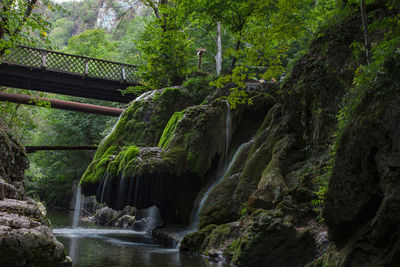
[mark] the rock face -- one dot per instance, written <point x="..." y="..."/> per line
<point x="191" y="146"/>
<point x="362" y="207"/>
<point x="269" y="220"/>
<point x="109" y="217"/>
<point x="26" y="238"/>
<point x="266" y="209"/>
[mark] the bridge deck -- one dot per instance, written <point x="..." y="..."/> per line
<point x="55" y="72"/>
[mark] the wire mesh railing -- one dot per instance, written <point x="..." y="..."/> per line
<point x="71" y="64"/>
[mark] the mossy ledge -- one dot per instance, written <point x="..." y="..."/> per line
<point x="191" y="150"/>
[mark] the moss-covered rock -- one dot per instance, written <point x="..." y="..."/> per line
<point x="25" y="235"/>
<point x="13" y="160"/>
<point x="143" y="122"/>
<point x="362" y="203"/>
<point x="271" y="188"/>
<point x="169" y="178"/>
<point x="268" y="239"/>
<point x="213" y="241"/>
<point x="243" y="179"/>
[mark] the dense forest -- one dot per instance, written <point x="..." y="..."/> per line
<point x="282" y="114"/>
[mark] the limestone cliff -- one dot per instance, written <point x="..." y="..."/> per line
<point x="191" y="147"/>
<point x="266" y="210"/>
<point x="26" y="238"/>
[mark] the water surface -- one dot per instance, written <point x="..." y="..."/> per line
<point x="110" y="247"/>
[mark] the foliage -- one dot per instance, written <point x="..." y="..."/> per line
<point x="366" y="80"/>
<point x="273" y="31"/>
<point x="52" y="172"/>
<point x="199" y="87"/>
<point x="366" y="75"/>
<point x="19" y="118"/>
<point x="92" y="43"/>
<point x="23" y="22"/>
<point x="165" y="51"/>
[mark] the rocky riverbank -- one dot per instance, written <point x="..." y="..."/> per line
<point x="316" y="186"/>
<point x="26" y="238"/>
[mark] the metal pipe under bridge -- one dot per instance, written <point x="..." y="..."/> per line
<point x="55" y="72"/>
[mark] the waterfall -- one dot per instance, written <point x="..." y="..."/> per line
<point x="154" y="217"/>
<point x="216" y="182"/>
<point x="75" y="223"/>
<point x="195" y="219"/>
<point x="77" y="210"/>
<point x="121" y="192"/>
<point x="150" y="218"/>
<point x="105" y="177"/>
<point x="228" y="129"/>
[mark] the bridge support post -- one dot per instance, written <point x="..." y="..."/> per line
<point x="44" y="54"/>
<point x="87" y="67"/>
<point x="123" y="75"/>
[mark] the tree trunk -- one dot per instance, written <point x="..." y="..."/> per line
<point x="233" y="63"/>
<point x="218" y="57"/>
<point x="366" y="34"/>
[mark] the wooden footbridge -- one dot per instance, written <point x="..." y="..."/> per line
<point x="60" y="73"/>
<point x="54" y="72"/>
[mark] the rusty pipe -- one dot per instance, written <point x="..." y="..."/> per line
<point x="61" y="104"/>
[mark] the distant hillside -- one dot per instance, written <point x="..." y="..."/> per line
<point x="91" y="14"/>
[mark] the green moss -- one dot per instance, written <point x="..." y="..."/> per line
<point x="199" y="87"/>
<point x="130" y="167"/>
<point x="169" y="130"/>
<point x="97" y="168"/>
<point x="194" y="242"/>
<point x="175" y="154"/>
<point x="195" y="162"/>
<point x="169" y="94"/>
<point x="128" y="155"/>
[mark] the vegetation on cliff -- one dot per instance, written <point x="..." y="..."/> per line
<point x="312" y="89"/>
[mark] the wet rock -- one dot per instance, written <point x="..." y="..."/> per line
<point x="9" y="191"/>
<point x="125" y="221"/>
<point x="267" y="239"/>
<point x="362" y="206"/>
<point x="109" y="217"/>
<point x="141" y="224"/>
<point x="105" y="216"/>
<point x="25" y="235"/>
<point x="168" y="236"/>
<point x="214" y="241"/>
<point x="1" y="189"/>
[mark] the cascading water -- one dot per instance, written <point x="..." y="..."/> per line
<point x="77" y="210"/>
<point x="75" y="223"/>
<point x="153" y="218"/>
<point x="227" y="167"/>
<point x="228" y="129"/>
<point x="195" y="221"/>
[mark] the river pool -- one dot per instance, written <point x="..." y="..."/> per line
<point x="93" y="246"/>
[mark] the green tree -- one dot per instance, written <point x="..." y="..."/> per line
<point x="23" y="22"/>
<point x="165" y="48"/>
<point x="52" y="173"/>
<point x="92" y="43"/>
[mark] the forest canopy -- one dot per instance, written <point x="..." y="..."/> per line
<point x="237" y="40"/>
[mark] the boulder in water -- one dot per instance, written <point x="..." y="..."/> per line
<point x="105" y="216"/>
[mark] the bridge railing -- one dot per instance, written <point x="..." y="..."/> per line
<point x="72" y="64"/>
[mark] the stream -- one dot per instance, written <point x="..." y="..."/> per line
<point x="100" y="246"/>
<point x="91" y="245"/>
